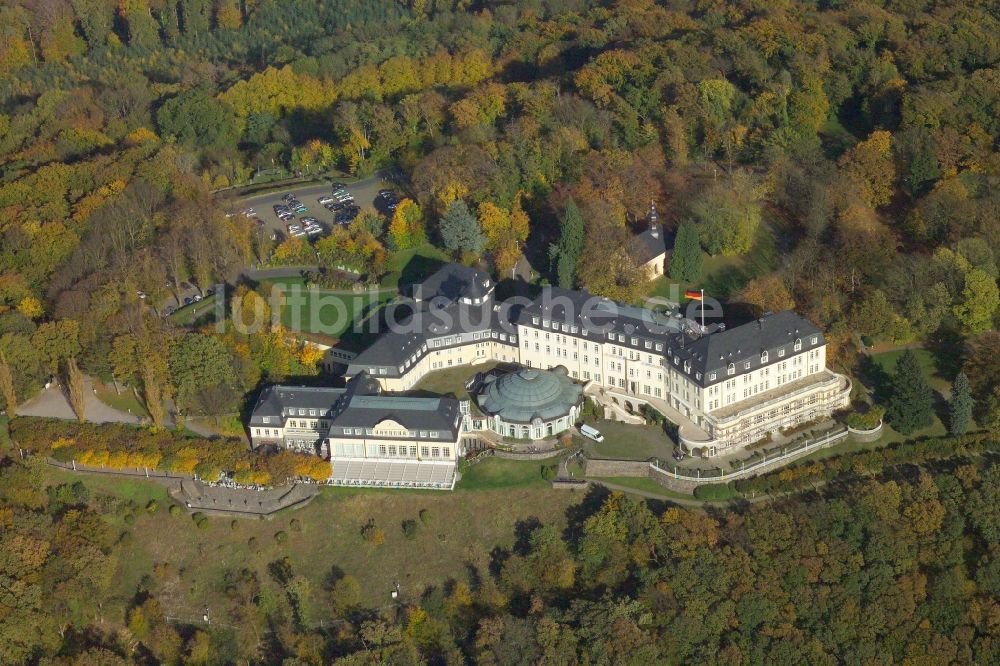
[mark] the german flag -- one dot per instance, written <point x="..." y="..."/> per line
<point x="693" y="295"/>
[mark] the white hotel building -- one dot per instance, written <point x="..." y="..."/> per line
<point x="724" y="388"/>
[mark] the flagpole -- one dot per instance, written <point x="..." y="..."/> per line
<point x="702" y="310"/>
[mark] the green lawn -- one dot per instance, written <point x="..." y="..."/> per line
<point x="125" y="401"/>
<point x="886" y="361"/>
<point x="323" y="311"/>
<point x="627" y="441"/>
<point x="451" y="381"/>
<point x="642" y="484"/>
<point x="499" y="473"/>
<point x="413" y="265"/>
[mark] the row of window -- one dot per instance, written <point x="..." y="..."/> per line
<point x="401" y="451"/>
<point x="421" y="434"/>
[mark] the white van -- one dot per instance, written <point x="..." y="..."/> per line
<point x="592" y="433"/>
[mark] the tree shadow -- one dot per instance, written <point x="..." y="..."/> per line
<point x="577" y="514"/>
<point x="523" y="529"/>
<point x="948" y="349"/>
<point x="876" y="377"/>
<point x="416" y="270"/>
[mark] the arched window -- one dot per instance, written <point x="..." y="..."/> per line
<point x="763" y="357"/>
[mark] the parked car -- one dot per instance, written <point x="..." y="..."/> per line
<point x="339" y="186"/>
<point x="325" y="199"/>
<point x="188" y="300"/>
<point x="295" y="230"/>
<point x="592" y="433"/>
<point x="306" y="221"/>
<point x="343" y="218"/>
<point x="387" y="194"/>
<point x="141" y="295"/>
<point x="300" y="209"/>
<point x="287" y="197"/>
<point x="313" y="229"/>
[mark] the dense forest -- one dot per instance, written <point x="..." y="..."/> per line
<point x="858" y="141"/>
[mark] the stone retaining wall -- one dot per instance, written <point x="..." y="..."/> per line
<point x="537" y="455"/>
<point x="865" y="435"/>
<point x="570" y="484"/>
<point x="608" y="468"/>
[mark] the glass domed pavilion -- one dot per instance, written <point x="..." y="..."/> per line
<point x="529" y="403"/>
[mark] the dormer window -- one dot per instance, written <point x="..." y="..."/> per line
<point x="781" y="352"/>
<point x="746" y="365"/>
<point x="687" y="367"/>
<point x="814" y="340"/>
<point x="763" y="357"/>
<point x="659" y="346"/>
<point x="534" y="320"/>
<point x="731" y="370"/>
<point x="711" y="376"/>
<point x="798" y="344"/>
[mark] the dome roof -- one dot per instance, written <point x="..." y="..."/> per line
<point x="528" y="394"/>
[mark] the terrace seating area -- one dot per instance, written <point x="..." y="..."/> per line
<point x="393" y="474"/>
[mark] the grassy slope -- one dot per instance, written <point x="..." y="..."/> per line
<point x="465" y="526"/>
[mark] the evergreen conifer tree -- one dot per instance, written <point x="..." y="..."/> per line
<point x="570" y="246"/>
<point x="910" y="404"/>
<point x="460" y="230"/>
<point x="960" y="406"/>
<point x="687" y="257"/>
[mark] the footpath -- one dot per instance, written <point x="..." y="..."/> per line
<point x="213" y="499"/>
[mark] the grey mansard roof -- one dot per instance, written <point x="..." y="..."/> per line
<point x="774" y="334"/>
<point x="276" y="401"/>
<point x="599" y="317"/>
<point x="364" y="406"/>
<point x="410" y="338"/>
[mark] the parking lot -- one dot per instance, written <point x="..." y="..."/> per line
<point x="365" y="194"/>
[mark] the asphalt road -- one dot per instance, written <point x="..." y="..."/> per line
<point x="365" y="193"/>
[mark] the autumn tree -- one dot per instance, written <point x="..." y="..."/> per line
<point x="768" y="293"/>
<point x="505" y="231"/>
<point x="869" y="168"/>
<point x="76" y="388"/>
<point x="978" y="302"/>
<point x="406" y="230"/>
<point x="7" y="387"/>
<point x="728" y="214"/>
